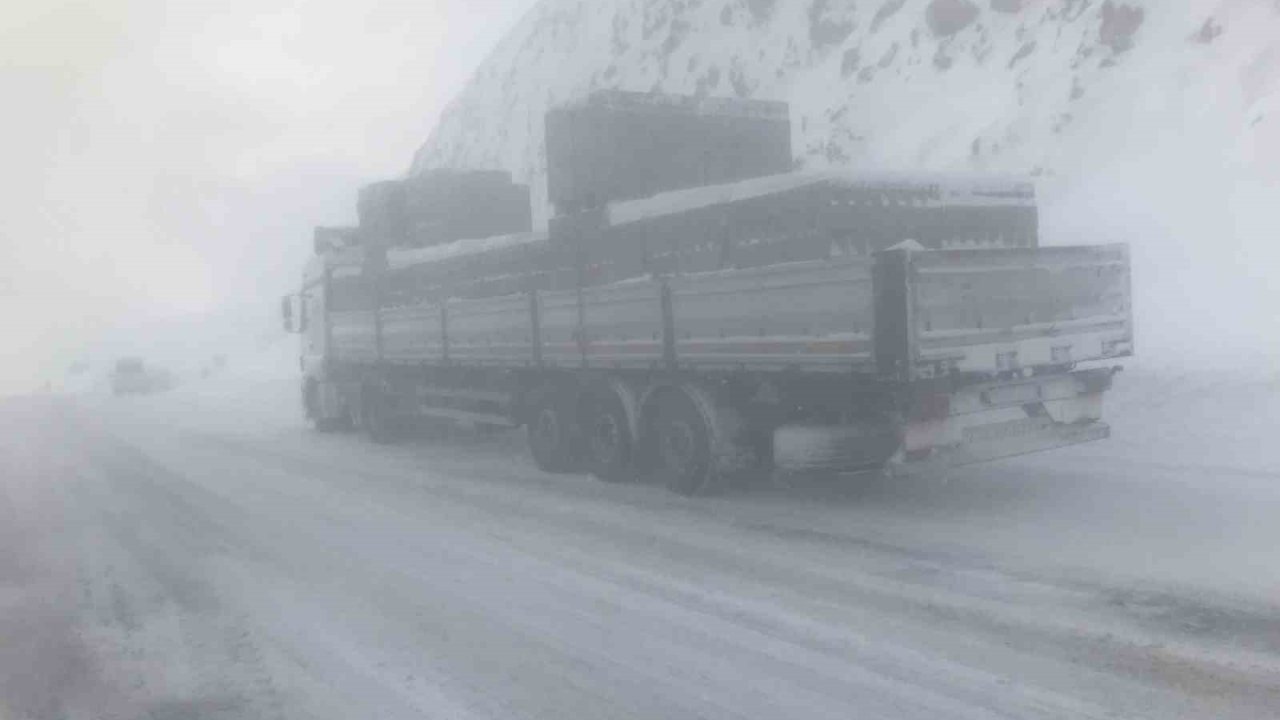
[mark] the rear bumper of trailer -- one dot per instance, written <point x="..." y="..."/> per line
<point x="1004" y="419"/>
<point x="1006" y="440"/>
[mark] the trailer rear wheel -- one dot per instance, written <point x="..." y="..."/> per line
<point x="682" y="441"/>
<point x="553" y="435"/>
<point x="609" y="440"/>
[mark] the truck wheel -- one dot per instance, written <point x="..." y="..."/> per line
<point x="553" y="435"/>
<point x="609" y="440"/>
<point x="313" y="404"/>
<point x="376" y="417"/>
<point x="682" y="442"/>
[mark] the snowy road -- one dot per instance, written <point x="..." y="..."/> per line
<point x="163" y="563"/>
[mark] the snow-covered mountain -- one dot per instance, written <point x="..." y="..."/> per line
<point x="1153" y="121"/>
<point x="1008" y="84"/>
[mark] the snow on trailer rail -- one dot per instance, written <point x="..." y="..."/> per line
<point x="404" y="258"/>
<point x="886" y="188"/>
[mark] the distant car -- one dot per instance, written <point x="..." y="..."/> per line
<point x="131" y="376"/>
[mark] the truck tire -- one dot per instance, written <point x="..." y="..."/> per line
<point x="682" y="445"/>
<point x="376" y="416"/>
<point x="313" y="404"/>
<point x="609" y="440"/>
<point x="553" y="434"/>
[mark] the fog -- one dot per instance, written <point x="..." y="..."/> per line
<point x="789" y="480"/>
<point x="1199" y="213"/>
<point x="169" y="159"/>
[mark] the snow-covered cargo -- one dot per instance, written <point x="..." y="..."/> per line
<point x="446" y="205"/>
<point x="441" y="206"/>
<point x="616" y="145"/>
<point x="799" y="216"/>
<point x="380" y="207"/>
<point x="481" y="267"/>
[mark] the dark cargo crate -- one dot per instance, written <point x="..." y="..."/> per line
<point x="618" y="146"/>
<point x="381" y="209"/>
<point x="441" y="206"/>
<point x="444" y="208"/>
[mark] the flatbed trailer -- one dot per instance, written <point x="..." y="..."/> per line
<point x="629" y="342"/>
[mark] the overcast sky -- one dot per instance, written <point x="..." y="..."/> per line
<point x="168" y="158"/>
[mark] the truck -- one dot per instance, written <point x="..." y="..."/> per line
<point x="914" y="318"/>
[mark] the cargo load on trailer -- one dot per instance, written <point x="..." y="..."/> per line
<point x="798" y="216"/>
<point x="442" y="206"/>
<point x="616" y="145"/>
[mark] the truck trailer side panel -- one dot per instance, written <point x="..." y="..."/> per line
<point x="932" y="314"/>
<point x="491" y="331"/>
<point x="412" y="334"/>
<point x="813" y="315"/>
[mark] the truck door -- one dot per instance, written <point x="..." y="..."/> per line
<point x="314" y="328"/>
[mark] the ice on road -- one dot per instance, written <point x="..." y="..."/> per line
<point x="188" y="557"/>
